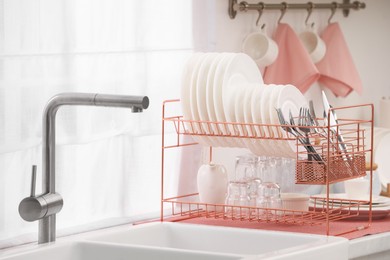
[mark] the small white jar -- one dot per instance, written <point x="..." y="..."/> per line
<point x="295" y="201"/>
<point x="212" y="183"/>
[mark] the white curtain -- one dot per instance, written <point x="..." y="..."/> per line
<point x="108" y="160"/>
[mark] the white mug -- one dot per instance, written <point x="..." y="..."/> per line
<point x="261" y="48"/>
<point x="314" y="45"/>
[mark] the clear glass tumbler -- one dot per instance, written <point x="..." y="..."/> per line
<point x="237" y="197"/>
<point x="246" y="171"/>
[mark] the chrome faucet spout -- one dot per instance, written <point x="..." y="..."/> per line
<point x="45" y="206"/>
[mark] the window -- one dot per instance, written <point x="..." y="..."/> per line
<point x="108" y="160"/>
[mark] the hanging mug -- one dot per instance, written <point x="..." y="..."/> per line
<point x="314" y="45"/>
<point x="261" y="48"/>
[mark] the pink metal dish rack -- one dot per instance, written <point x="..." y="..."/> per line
<point x="336" y="166"/>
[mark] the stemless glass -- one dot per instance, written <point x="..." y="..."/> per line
<point x="268" y="192"/>
<point x="237" y="197"/>
<point x="246" y="171"/>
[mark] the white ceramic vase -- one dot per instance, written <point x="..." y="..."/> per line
<point x="212" y="183"/>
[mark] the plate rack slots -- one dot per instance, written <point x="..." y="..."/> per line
<point x="338" y="163"/>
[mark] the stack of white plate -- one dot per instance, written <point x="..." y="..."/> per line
<point x="381" y="155"/>
<point x="380" y="205"/>
<point x="228" y="87"/>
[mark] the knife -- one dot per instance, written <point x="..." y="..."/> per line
<point x="333" y="127"/>
<point x="333" y="122"/>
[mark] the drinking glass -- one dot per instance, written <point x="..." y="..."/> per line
<point x="246" y="171"/>
<point x="237" y="196"/>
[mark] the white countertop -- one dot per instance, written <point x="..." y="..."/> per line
<point x="370" y="245"/>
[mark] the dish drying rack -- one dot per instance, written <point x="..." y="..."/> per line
<point x="336" y="166"/>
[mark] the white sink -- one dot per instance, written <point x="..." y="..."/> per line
<point x="97" y="251"/>
<point x="189" y="241"/>
<point x="225" y="240"/>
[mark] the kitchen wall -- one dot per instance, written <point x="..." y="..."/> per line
<point x="366" y="31"/>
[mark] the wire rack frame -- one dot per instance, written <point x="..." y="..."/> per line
<point x="322" y="210"/>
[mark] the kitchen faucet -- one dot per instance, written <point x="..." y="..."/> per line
<point x="44" y="207"/>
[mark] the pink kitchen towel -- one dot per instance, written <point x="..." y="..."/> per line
<point x="293" y="65"/>
<point x="337" y="69"/>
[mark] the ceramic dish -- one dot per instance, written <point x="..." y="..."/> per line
<point x="256" y="110"/>
<point x="264" y="111"/>
<point x="258" y="146"/>
<point x="380" y="206"/>
<point x="377" y="201"/>
<point x="289" y="98"/>
<point x="295" y="201"/>
<point x="217" y="98"/>
<point x="360" y="214"/>
<point x="240" y="71"/>
<point x="244" y="115"/>
<point x="237" y="85"/>
<point x="211" y="115"/>
<point x="239" y="105"/>
<point x="382" y="159"/>
<point x="253" y="116"/>
<point x="186" y="85"/>
<point x="201" y="85"/>
<point x="196" y="127"/>
<point x="280" y="145"/>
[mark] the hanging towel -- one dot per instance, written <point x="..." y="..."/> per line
<point x="293" y="65"/>
<point x="337" y="69"/>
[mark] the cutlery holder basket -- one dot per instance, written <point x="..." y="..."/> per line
<point x="312" y="172"/>
<point x="342" y="149"/>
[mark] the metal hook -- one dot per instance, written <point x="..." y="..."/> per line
<point x="261" y="9"/>
<point x="334" y="8"/>
<point x="283" y="10"/>
<point x="309" y="11"/>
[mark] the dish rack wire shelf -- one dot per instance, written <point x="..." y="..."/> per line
<point x="338" y="165"/>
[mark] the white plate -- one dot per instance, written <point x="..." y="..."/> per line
<point x="239" y="72"/>
<point x="201" y="85"/>
<point x="265" y="100"/>
<point x="243" y="112"/>
<point x="289" y="99"/>
<point x="237" y="85"/>
<point x="193" y="101"/>
<point x="279" y="145"/>
<point x="194" y="85"/>
<point x="257" y="146"/>
<point x="382" y="159"/>
<point x="379" y="211"/>
<point x="256" y="109"/>
<point x="377" y="201"/>
<point x="265" y="119"/>
<point x="211" y="115"/>
<point x="217" y="98"/>
<point x="186" y="85"/>
<point x="239" y="105"/>
<point x="379" y="133"/>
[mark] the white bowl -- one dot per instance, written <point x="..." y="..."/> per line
<point x="295" y="201"/>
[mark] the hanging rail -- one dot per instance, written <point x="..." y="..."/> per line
<point x="243" y="6"/>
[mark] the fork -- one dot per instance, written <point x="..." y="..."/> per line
<point x="304" y="124"/>
<point x="291" y="129"/>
